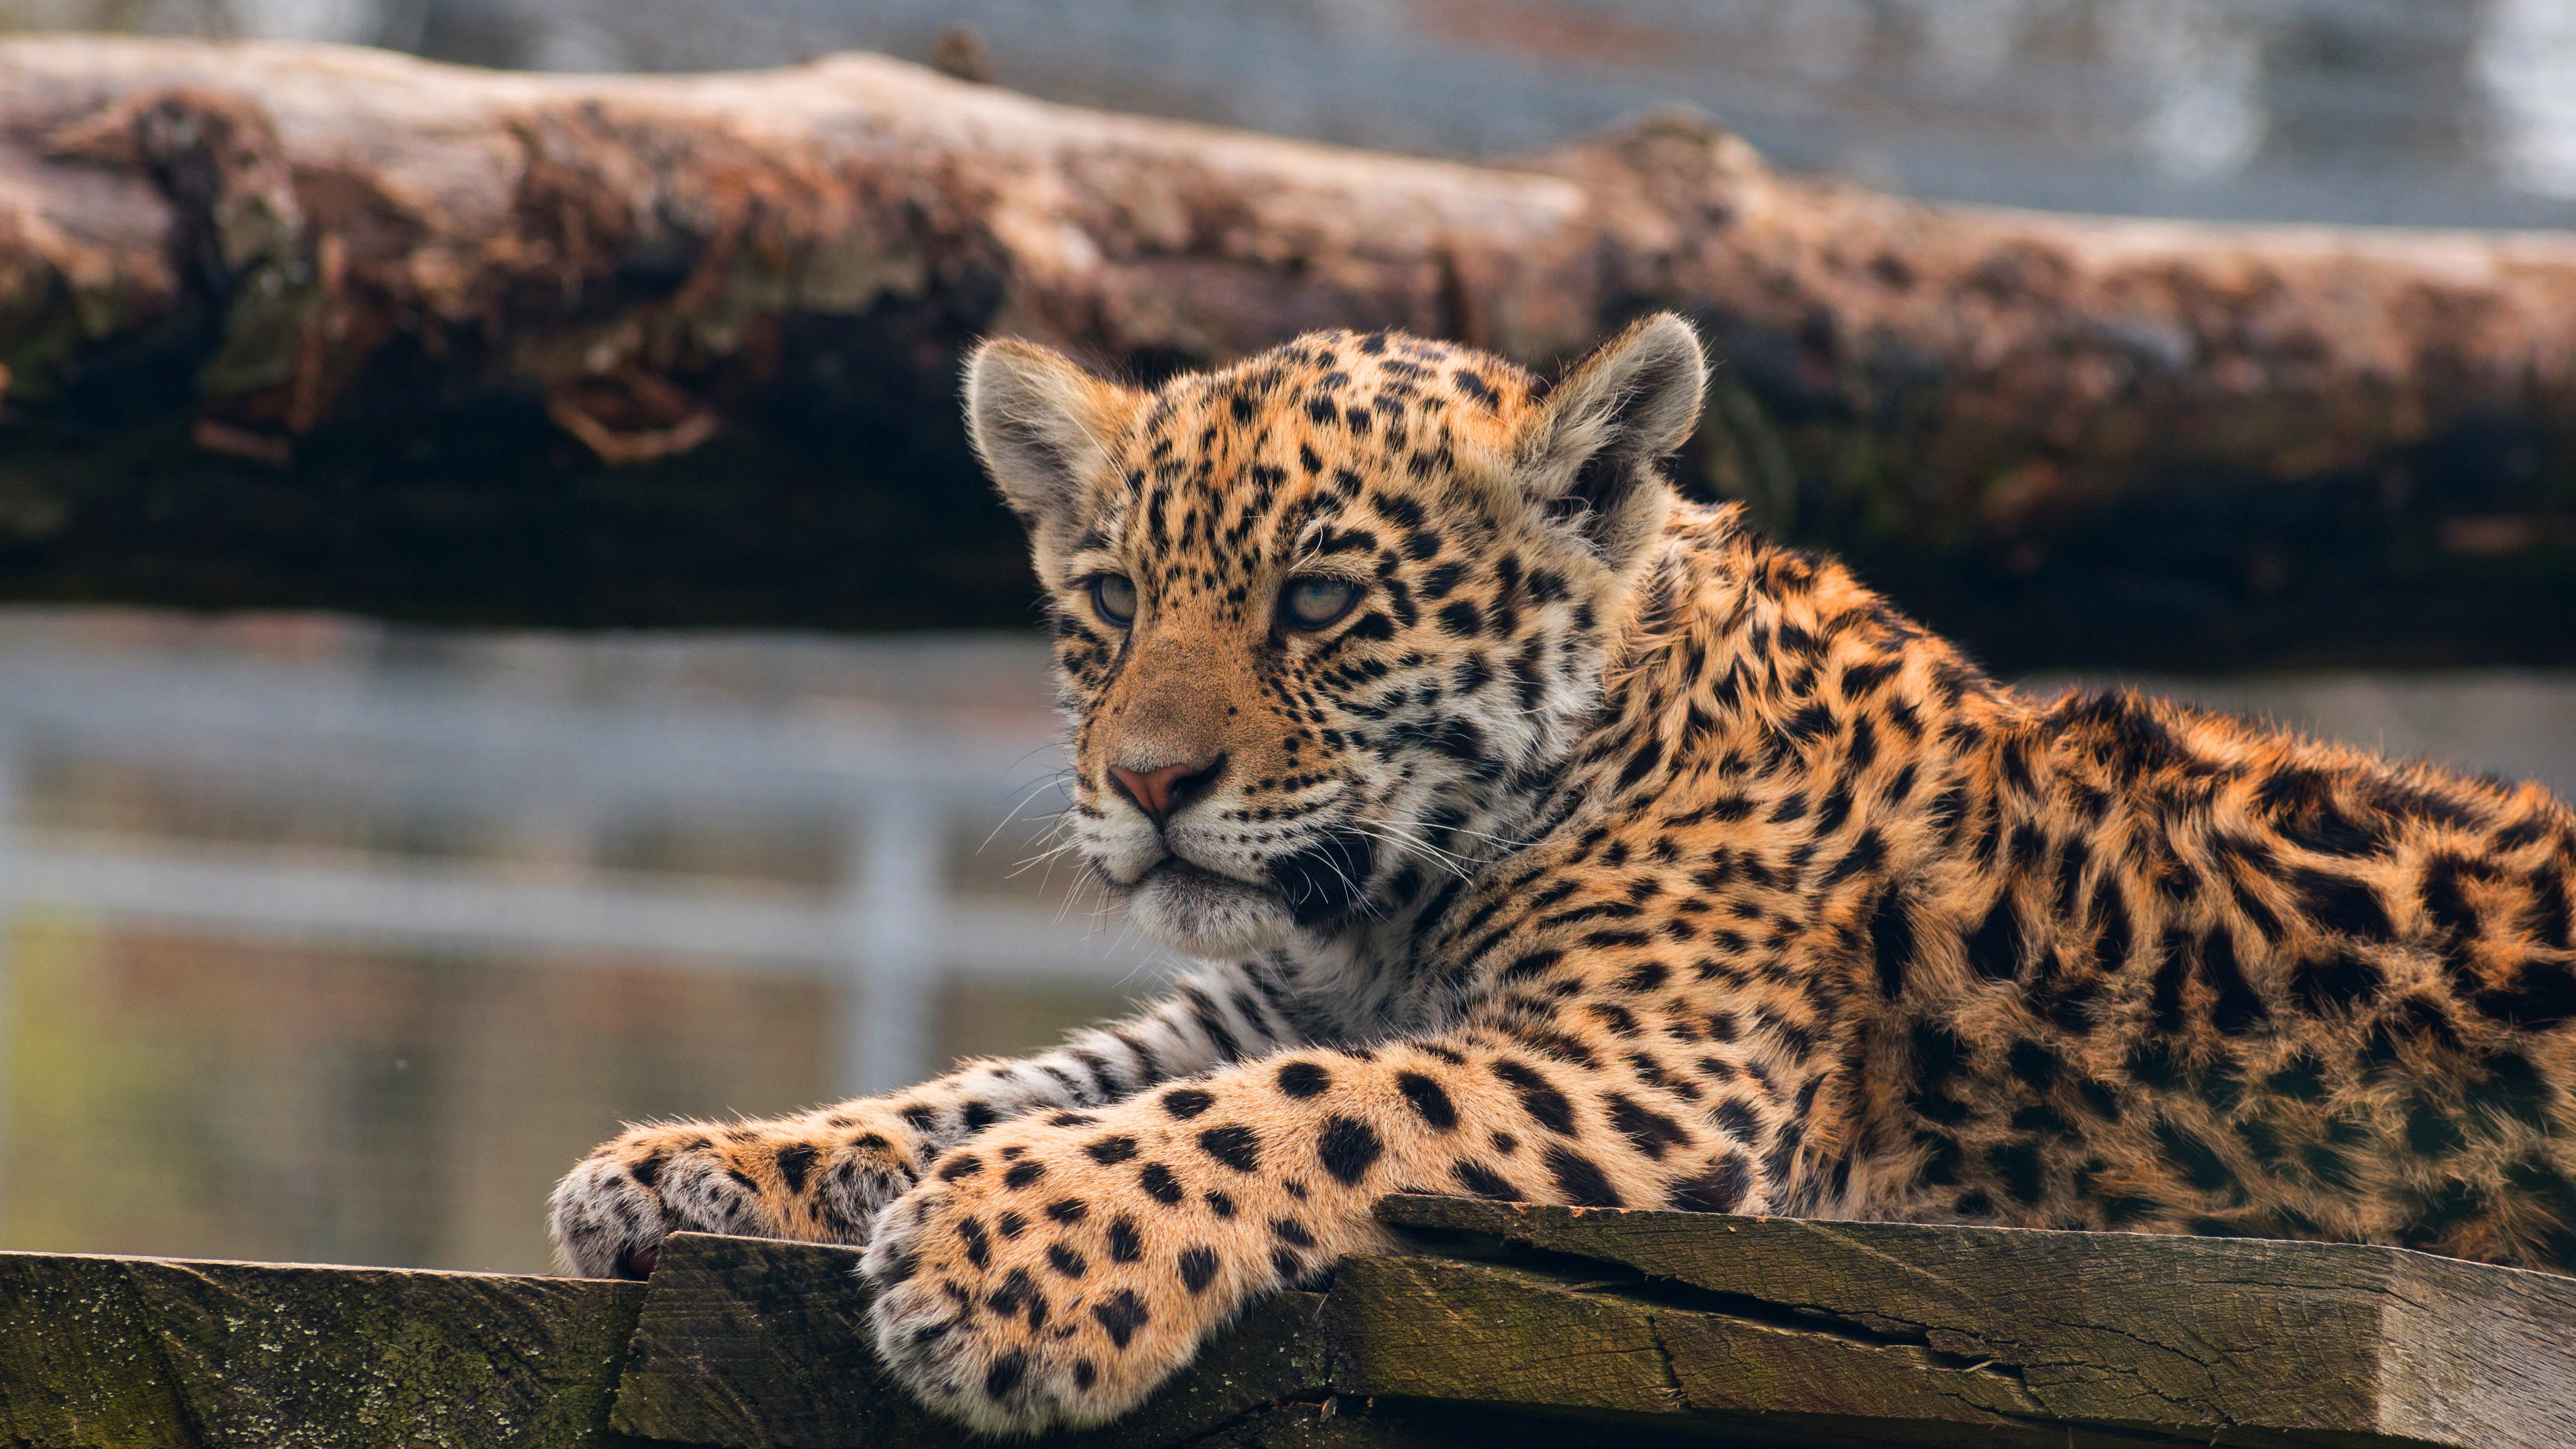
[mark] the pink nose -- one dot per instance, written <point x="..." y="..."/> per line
<point x="1163" y="790"/>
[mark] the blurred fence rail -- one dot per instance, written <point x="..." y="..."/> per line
<point x="325" y="940"/>
<point x="888" y="929"/>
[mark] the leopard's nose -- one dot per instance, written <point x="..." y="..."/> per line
<point x="1163" y="790"/>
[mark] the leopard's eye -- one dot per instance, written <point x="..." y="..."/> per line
<point x="1312" y="603"/>
<point x="1113" y="598"/>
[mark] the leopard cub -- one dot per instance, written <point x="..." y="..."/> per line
<point x="1544" y="837"/>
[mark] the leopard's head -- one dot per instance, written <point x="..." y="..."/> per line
<point x="1317" y="614"/>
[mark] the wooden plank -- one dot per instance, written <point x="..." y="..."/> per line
<point x="751" y="1344"/>
<point x="147" y="1352"/>
<point x="1614" y="1356"/>
<point x="2178" y="1337"/>
<point x="1510" y="1324"/>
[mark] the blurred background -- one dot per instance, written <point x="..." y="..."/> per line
<point x="2422" y="112"/>
<point x="330" y="939"/>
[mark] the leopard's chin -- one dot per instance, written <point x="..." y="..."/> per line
<point x="1199" y="912"/>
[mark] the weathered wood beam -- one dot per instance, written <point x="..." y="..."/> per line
<point x="1499" y="1325"/>
<point x="1759" y="1331"/>
<point x="115" y="1353"/>
<point x="296" y="324"/>
<point x="2005" y="1330"/>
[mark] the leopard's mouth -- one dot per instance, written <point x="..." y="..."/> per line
<point x="1190" y="875"/>
<point x="1205" y="912"/>
<point x="1180" y="872"/>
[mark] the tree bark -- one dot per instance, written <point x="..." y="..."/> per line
<point x="299" y="325"/>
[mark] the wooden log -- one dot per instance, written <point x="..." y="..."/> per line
<point x="296" y="324"/>
<point x="113" y="1353"/>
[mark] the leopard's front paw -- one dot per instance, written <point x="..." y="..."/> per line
<point x="822" y="1178"/>
<point x="1043" y="1277"/>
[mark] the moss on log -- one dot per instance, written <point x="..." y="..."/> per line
<point x="312" y="326"/>
<point x="120" y="1353"/>
<point x="1496" y="1325"/>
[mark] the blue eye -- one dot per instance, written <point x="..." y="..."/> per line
<point x="1113" y="598"/>
<point x="1312" y="603"/>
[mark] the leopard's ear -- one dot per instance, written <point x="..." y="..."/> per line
<point x="1592" y="456"/>
<point x="1042" y="425"/>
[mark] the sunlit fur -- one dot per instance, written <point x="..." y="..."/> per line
<point x="1608" y="854"/>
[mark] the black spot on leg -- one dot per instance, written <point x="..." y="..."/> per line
<point x="1187" y="1102"/>
<point x="1110" y="1151"/>
<point x="1235" y="1145"/>
<point x="963" y="1165"/>
<point x="979" y="1247"/>
<point x="1429" y="1103"/>
<point x="1721" y="1188"/>
<point x="1303" y="1079"/>
<point x="1159" y="1184"/>
<point x="1484" y="1182"/>
<point x="1738" y="1121"/>
<point x="1580" y="1179"/>
<point x="1347" y="1148"/>
<point x="1539" y="1097"/>
<point x="794" y="1161"/>
<point x="1649" y="1131"/>
<point x="1085" y="1374"/>
<point x="1122" y="1315"/>
<point x="1006" y="1373"/>
<point x="1023" y="1173"/>
<point x="1067" y="1261"/>
<point x="1068" y="1210"/>
<point x="1126" y="1245"/>
<point x="1019" y="1294"/>
<point x="1198" y="1269"/>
